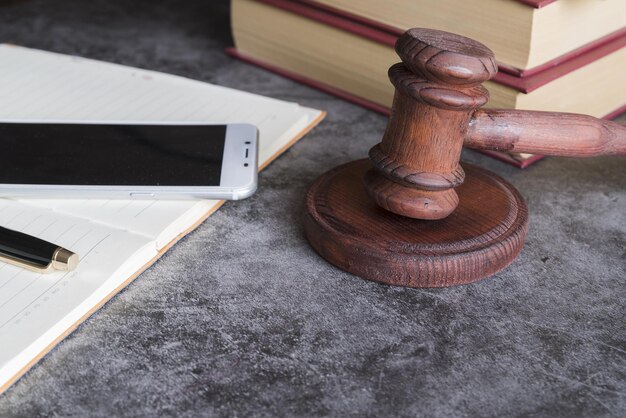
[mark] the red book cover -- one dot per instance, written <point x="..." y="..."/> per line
<point x="522" y="80"/>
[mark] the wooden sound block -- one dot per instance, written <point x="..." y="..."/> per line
<point x="481" y="237"/>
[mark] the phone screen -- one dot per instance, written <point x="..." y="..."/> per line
<point x="111" y="155"/>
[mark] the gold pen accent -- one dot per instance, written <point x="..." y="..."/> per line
<point x="62" y="260"/>
<point x="34" y="254"/>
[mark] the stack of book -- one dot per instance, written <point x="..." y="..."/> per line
<point x="556" y="55"/>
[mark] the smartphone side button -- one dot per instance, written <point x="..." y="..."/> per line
<point x="138" y="195"/>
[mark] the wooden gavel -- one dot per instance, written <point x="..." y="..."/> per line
<point x="436" y="112"/>
<point x="438" y="228"/>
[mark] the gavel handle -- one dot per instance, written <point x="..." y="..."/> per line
<point x="545" y="133"/>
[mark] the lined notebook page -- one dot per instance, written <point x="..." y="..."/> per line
<point x="113" y="238"/>
<point x="33" y="305"/>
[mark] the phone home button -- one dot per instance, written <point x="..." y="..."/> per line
<point x="141" y="195"/>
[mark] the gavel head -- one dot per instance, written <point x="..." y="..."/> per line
<point x="438" y="87"/>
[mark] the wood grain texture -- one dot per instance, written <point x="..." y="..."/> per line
<point x="435" y="112"/>
<point x="419" y="154"/>
<point x="413" y="202"/>
<point x="546" y="133"/>
<point x="444" y="57"/>
<point x="411" y="215"/>
<point x="440" y="95"/>
<point x="483" y="236"/>
<point x="437" y="87"/>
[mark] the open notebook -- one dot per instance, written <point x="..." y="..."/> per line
<point x="116" y="239"/>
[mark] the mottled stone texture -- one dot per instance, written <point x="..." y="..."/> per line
<point x="242" y="318"/>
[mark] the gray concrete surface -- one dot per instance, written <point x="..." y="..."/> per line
<point x="242" y="318"/>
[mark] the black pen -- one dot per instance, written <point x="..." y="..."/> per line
<point x="34" y="254"/>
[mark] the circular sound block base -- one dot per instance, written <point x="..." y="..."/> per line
<point x="481" y="237"/>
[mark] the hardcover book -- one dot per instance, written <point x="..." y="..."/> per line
<point x="350" y="59"/>
<point x="525" y="35"/>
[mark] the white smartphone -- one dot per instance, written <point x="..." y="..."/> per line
<point x="89" y="159"/>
